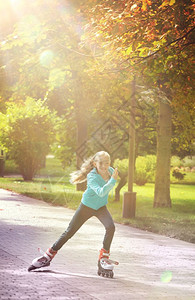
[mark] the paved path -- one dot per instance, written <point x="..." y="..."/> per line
<point x="151" y="266"/>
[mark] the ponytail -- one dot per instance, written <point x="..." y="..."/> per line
<point x="81" y="175"/>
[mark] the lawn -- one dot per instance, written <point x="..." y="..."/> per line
<point x="52" y="185"/>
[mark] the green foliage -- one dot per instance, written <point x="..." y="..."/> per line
<point x="189" y="162"/>
<point x="178" y="174"/>
<point x="28" y="134"/>
<point x="183" y="129"/>
<point x="122" y="166"/>
<point x="146" y="120"/>
<point x="64" y="145"/>
<point x="156" y="40"/>
<point x="183" y="163"/>
<point x="176" y="161"/>
<point x="182" y="167"/>
<point x="151" y="166"/>
<point x="11" y="167"/>
<point x="46" y="55"/>
<point x="149" y="37"/>
<point x="141" y="176"/>
<point x="145" y="169"/>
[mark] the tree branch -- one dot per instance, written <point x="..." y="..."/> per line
<point x="165" y="46"/>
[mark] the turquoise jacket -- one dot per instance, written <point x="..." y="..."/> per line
<point x="96" y="194"/>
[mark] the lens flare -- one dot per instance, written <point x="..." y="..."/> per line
<point x="166" y="276"/>
<point x="46" y="58"/>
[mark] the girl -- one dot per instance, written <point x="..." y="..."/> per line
<point x="101" y="178"/>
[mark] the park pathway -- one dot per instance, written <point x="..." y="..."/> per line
<point x="151" y="266"/>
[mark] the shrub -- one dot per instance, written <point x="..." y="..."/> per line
<point x="186" y="162"/>
<point x="145" y="169"/>
<point x="122" y="166"/>
<point x="150" y="166"/>
<point x="176" y="161"/>
<point x="27" y="134"/>
<point x="189" y="162"/>
<point x="11" y="167"/>
<point x="178" y="174"/>
<point x="141" y="176"/>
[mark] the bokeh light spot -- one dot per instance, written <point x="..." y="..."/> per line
<point x="46" y="58"/>
<point x="166" y="276"/>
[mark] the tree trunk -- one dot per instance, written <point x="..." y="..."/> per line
<point x="129" y="199"/>
<point x="131" y="167"/>
<point x="162" y="180"/>
<point x="81" y="137"/>
<point x="81" y="119"/>
<point x="121" y="183"/>
<point x="2" y="166"/>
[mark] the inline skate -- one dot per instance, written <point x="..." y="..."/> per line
<point x="42" y="261"/>
<point x="105" y="265"/>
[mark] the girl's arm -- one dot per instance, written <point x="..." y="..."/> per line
<point x="101" y="191"/>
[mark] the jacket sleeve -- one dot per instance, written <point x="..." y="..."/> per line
<point x="101" y="191"/>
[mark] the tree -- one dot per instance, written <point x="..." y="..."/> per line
<point x="27" y="133"/>
<point x="154" y="39"/>
<point x="47" y="61"/>
<point x="49" y="58"/>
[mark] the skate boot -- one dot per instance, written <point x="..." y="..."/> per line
<point x="42" y="261"/>
<point x="105" y="265"/>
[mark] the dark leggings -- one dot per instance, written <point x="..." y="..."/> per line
<point x="82" y="214"/>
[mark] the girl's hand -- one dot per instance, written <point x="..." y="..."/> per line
<point x="115" y="174"/>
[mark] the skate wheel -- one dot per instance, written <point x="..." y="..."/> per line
<point x="31" y="268"/>
<point x="111" y="274"/>
<point x="103" y="274"/>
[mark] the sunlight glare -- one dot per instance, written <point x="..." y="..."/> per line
<point x="17" y="7"/>
<point x="29" y="27"/>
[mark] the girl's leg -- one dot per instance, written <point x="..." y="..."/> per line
<point x="105" y="218"/>
<point x="82" y="214"/>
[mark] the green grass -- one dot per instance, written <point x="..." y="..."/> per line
<point x="176" y="222"/>
<point x="53" y="186"/>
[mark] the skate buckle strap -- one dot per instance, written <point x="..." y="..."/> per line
<point x="46" y="254"/>
<point x="110" y="261"/>
<point x="105" y="255"/>
<point x="51" y="253"/>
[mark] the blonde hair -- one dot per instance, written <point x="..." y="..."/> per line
<point x="81" y="175"/>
